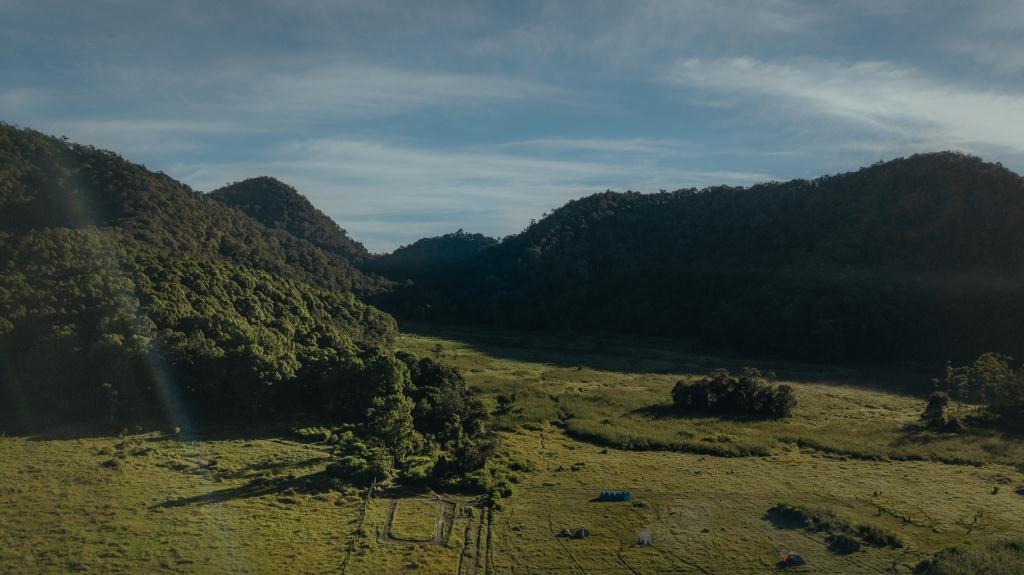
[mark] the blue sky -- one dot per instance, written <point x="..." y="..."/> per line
<point x="408" y="119"/>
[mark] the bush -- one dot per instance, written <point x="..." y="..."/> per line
<point x="842" y="544"/>
<point x="788" y="516"/>
<point x="313" y="434"/>
<point x="1002" y="558"/>
<point x="935" y="411"/>
<point x="751" y="393"/>
<point x="353" y="468"/>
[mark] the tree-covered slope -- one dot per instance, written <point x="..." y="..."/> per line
<point x="913" y="258"/>
<point x="47" y="182"/>
<point x="126" y="296"/>
<point x="278" y="205"/>
<point x="128" y="299"/>
<point x="431" y="256"/>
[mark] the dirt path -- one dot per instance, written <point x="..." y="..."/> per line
<point x="472" y="550"/>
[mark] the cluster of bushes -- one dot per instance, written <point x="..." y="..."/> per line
<point x="1000" y="558"/>
<point x="843" y="537"/>
<point x="750" y="393"/>
<point x="990" y="381"/>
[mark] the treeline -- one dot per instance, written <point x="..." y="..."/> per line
<point x="128" y="299"/>
<point x="991" y="382"/>
<point x="431" y="258"/>
<point x="919" y="258"/>
<point x="277" y="205"/>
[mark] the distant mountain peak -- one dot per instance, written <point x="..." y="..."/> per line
<point x="275" y="204"/>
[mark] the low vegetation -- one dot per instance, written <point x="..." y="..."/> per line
<point x="1001" y="558"/>
<point x="174" y="503"/>
<point x="415" y="520"/>
<point x="610" y="390"/>
<point x="843" y="537"/>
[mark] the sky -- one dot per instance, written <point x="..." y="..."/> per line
<point x="403" y="120"/>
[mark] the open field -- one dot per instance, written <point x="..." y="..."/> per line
<point x="158" y="504"/>
<point x="616" y="391"/>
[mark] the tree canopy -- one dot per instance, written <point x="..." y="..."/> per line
<point x="126" y="298"/>
<point x="916" y="258"/>
<point x="277" y="205"/>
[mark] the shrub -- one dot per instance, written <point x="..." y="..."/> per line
<point x="842" y="544"/>
<point x="1001" y="558"/>
<point x="313" y="434"/>
<point x="788" y="516"/>
<point x="751" y="393"/>
<point x="352" y="468"/>
<point x="935" y="413"/>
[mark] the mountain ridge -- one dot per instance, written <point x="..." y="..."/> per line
<point x="891" y="261"/>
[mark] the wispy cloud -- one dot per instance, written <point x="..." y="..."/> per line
<point x="347" y="91"/>
<point x="404" y="119"/>
<point x="363" y="184"/>
<point x="880" y="95"/>
<point x="150" y="110"/>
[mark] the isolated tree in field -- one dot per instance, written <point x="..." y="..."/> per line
<point x="506" y="403"/>
<point x="936" y="410"/>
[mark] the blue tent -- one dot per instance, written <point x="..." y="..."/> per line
<point x="614" y="496"/>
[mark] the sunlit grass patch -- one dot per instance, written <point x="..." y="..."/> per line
<point x="415" y="520"/>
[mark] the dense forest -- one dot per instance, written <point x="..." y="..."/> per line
<point x="919" y="258"/>
<point x="128" y="299"/>
<point x="277" y="205"/>
<point x="431" y="257"/>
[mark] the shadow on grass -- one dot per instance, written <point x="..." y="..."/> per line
<point x="259" y="469"/>
<point x="311" y="484"/>
<point x="669" y="411"/>
<point x="155" y="433"/>
<point x="784" y="518"/>
<point x="646" y="354"/>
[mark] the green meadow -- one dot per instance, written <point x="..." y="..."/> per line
<point x="590" y="414"/>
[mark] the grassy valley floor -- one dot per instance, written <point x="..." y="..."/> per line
<point x="158" y="504"/>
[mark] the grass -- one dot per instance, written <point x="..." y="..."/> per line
<point x="171" y="506"/>
<point x="415" y="520"/>
<point x="794" y="516"/>
<point x="263" y="505"/>
<point x="1002" y="558"/>
<point x="617" y="392"/>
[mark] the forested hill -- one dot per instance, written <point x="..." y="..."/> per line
<point x="921" y="257"/>
<point x="278" y="205"/>
<point x="126" y="296"/>
<point x="431" y="256"/>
